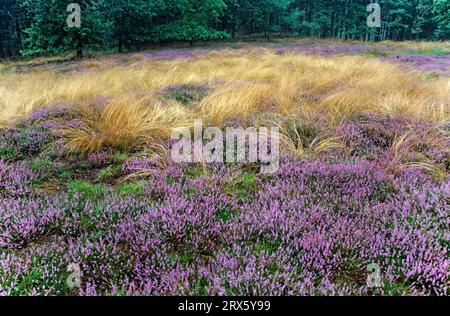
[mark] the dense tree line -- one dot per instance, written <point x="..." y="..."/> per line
<point x="32" y="27"/>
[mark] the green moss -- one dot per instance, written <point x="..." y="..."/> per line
<point x="8" y="153"/>
<point x="190" y="192"/>
<point x="121" y="157"/>
<point x="130" y="188"/>
<point x="40" y="163"/>
<point x="108" y="172"/>
<point x="201" y="287"/>
<point x="244" y="188"/>
<point x="85" y="189"/>
<point x="186" y="257"/>
<point x="267" y="246"/>
<point x="226" y="215"/>
<point x="195" y="171"/>
<point x="65" y="174"/>
<point x="248" y="181"/>
<point x="105" y="173"/>
<point x="397" y="288"/>
<point x="170" y="181"/>
<point x="272" y="267"/>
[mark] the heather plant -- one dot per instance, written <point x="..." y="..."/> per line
<point x="24" y="142"/>
<point x="37" y="135"/>
<point x="312" y="229"/>
<point x="436" y="63"/>
<point x="44" y="170"/>
<point x="364" y="180"/>
<point x="15" y="179"/>
<point x="139" y="164"/>
<point x="99" y="159"/>
<point x="186" y="94"/>
<point x="374" y="135"/>
<point x="65" y="174"/>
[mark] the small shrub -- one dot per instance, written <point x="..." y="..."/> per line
<point x="105" y="173"/>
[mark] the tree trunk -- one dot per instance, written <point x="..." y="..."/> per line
<point x="2" y="52"/>
<point x="79" y="53"/>
<point x="19" y="34"/>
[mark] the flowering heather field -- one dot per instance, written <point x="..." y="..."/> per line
<point x="86" y="175"/>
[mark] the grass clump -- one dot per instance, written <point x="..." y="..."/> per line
<point x="245" y="83"/>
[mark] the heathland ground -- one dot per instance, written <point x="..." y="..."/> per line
<point x="86" y="176"/>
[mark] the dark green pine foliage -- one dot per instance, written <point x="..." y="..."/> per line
<point x="34" y="27"/>
<point x="129" y="22"/>
<point x="12" y="24"/>
<point x="50" y="33"/>
<point x="192" y="20"/>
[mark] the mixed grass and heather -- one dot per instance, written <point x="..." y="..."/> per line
<point x="86" y="175"/>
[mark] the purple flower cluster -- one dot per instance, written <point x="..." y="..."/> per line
<point x="326" y="49"/>
<point x="139" y="164"/>
<point x="438" y="64"/>
<point x="99" y="159"/>
<point x="15" y="180"/>
<point x="434" y="63"/>
<point x="25" y="141"/>
<point x="29" y="138"/>
<point x="312" y="229"/>
<point x="169" y="54"/>
<point x="373" y="136"/>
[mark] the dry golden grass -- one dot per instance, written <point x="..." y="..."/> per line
<point x="242" y="84"/>
<point x="124" y="123"/>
